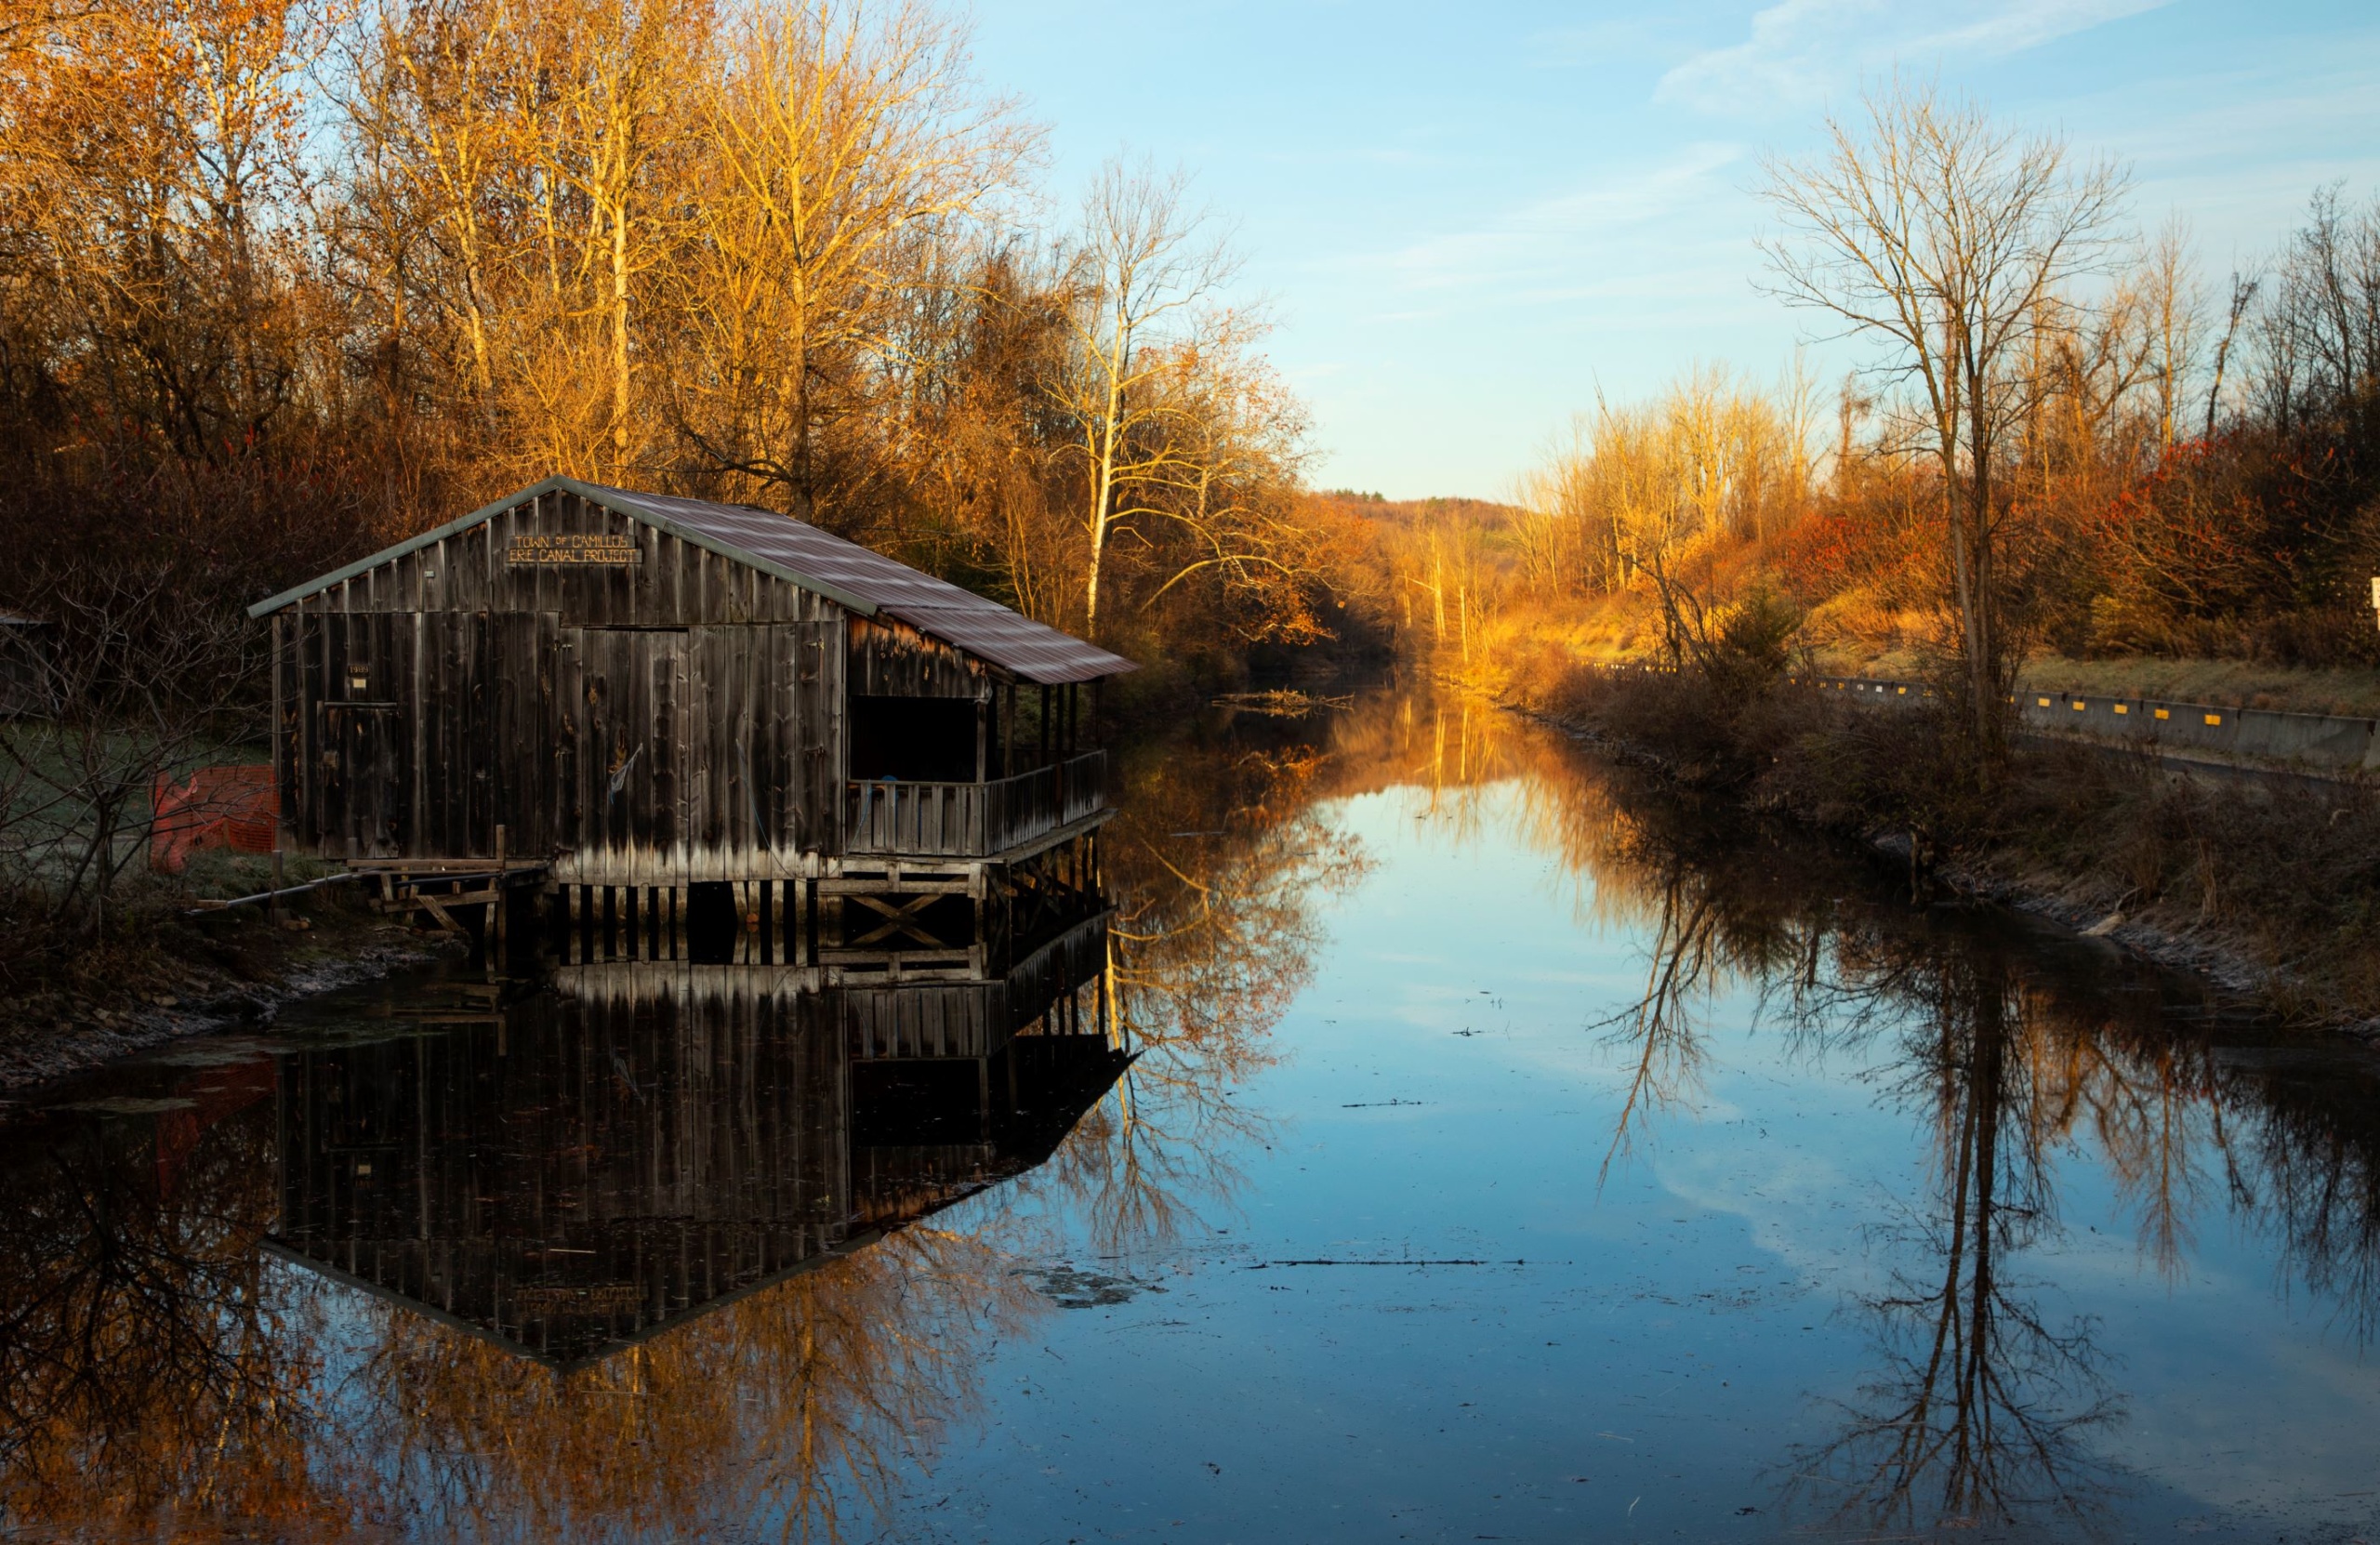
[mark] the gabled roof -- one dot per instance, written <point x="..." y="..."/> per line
<point x="856" y="577"/>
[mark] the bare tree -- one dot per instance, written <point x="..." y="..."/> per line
<point x="1228" y="507"/>
<point x="1644" y="490"/>
<point x="846" y="141"/>
<point x="2243" y="296"/>
<point x="1926" y="224"/>
<point x="2318" y="330"/>
<point x="143" y="678"/>
<point x="1146" y="268"/>
<point x="2173" y="304"/>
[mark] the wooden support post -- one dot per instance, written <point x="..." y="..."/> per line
<point x="497" y="908"/>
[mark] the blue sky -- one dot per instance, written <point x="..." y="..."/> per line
<point x="1466" y="218"/>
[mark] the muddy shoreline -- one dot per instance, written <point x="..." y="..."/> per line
<point x="194" y="985"/>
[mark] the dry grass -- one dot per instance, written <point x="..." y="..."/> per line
<point x="2281" y="875"/>
<point x="2278" y="881"/>
<point x="2231" y="684"/>
<point x="2237" y="683"/>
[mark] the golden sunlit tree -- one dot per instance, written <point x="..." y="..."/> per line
<point x="1929" y="227"/>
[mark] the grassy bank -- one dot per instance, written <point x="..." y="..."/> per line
<point x="2354" y="692"/>
<point x="2271" y="887"/>
<point x="1537" y="643"/>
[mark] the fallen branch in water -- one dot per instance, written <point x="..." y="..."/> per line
<point x="1281" y="701"/>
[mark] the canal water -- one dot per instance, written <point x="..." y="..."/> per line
<point x="1470" y="1140"/>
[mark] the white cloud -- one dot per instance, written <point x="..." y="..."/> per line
<point x="1800" y="50"/>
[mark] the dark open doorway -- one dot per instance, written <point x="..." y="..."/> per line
<point x="919" y="739"/>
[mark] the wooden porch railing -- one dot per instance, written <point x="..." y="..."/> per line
<point x="938" y="820"/>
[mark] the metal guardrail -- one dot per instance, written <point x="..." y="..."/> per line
<point x="2212" y="731"/>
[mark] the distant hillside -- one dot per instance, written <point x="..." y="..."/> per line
<point x="1410" y="514"/>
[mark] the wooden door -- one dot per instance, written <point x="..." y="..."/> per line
<point x="362" y="788"/>
<point x="363" y="757"/>
<point x="482" y="729"/>
<point x="763" y="768"/>
<point x="628" y="711"/>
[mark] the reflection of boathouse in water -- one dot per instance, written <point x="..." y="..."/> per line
<point x="594" y="1162"/>
<point x="671" y="720"/>
<point x="810" y="840"/>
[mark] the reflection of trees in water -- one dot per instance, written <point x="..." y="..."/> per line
<point x="2315" y="1171"/>
<point x="138" y="1350"/>
<point x="1219" y="865"/>
<point x="794" y="1411"/>
<point x="1659" y="1042"/>
<point x="1982" y="1407"/>
<point x="156" y="1378"/>
<point x="159" y="1377"/>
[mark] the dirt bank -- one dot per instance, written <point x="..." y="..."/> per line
<point x="193" y="974"/>
<point x="2273" y="892"/>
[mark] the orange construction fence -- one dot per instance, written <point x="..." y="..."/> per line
<point x="215" y="807"/>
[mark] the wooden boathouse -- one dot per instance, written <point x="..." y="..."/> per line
<point x="644" y="698"/>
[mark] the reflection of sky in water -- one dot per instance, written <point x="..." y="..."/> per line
<point x="1413" y="1289"/>
<point x="1674" y="1333"/>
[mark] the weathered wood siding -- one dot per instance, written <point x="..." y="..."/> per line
<point x="675" y="719"/>
<point x="699" y="753"/>
<point x="677" y="585"/>
<point x="891" y="659"/>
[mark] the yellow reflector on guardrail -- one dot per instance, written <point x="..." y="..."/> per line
<point x="2163" y="714"/>
<point x="2214" y="718"/>
<point x="2120" y="708"/>
<point x="2043" y="701"/>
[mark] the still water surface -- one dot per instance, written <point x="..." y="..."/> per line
<point x="1508" y="1151"/>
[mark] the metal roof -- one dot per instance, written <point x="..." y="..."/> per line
<point x="864" y="581"/>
